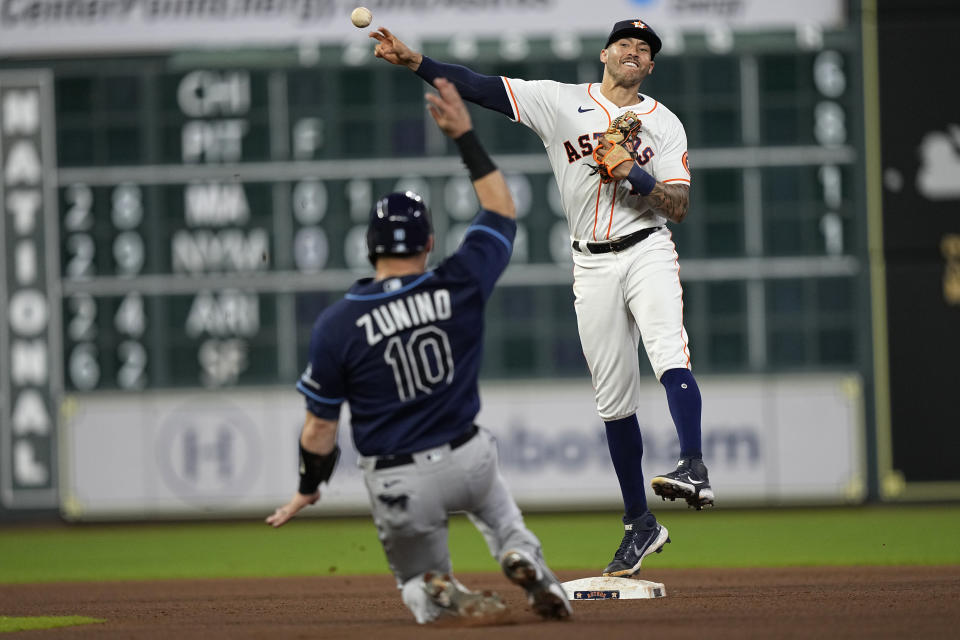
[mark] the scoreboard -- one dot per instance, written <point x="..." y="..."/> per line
<point x="179" y="220"/>
<point x="199" y="210"/>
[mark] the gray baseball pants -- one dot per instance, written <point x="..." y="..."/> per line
<point x="411" y="504"/>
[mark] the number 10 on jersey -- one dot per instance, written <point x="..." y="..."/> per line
<point x="422" y="363"/>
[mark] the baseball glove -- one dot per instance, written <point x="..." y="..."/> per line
<point x="616" y="145"/>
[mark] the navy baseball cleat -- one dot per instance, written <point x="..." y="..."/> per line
<point x="544" y="592"/>
<point x="689" y="481"/>
<point x="641" y="537"/>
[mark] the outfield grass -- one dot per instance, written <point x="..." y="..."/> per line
<point x="10" y="623"/>
<point x="311" y="546"/>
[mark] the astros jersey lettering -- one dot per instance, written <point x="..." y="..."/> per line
<point x="418" y="337"/>
<point x="569" y="118"/>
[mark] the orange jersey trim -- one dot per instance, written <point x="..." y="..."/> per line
<point x="589" y="93"/>
<point x="596" y="211"/>
<point x="687" y="180"/>
<point x="655" y="105"/>
<point x="613" y="203"/>
<point x="513" y="98"/>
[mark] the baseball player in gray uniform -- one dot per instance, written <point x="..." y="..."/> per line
<point x="404" y="349"/>
<point x="618" y="193"/>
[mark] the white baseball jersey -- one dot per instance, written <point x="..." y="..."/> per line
<point x="569" y="118"/>
<point x="622" y="297"/>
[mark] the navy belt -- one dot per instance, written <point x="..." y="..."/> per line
<point x="385" y="462"/>
<point x="617" y="244"/>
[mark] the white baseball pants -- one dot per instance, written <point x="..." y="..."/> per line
<point x="621" y="297"/>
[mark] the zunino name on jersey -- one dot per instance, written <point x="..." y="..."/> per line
<point x="407" y="312"/>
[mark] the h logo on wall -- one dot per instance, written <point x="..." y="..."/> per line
<point x="29" y="324"/>
<point x="208" y="455"/>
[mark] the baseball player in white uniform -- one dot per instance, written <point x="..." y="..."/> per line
<point x="626" y="273"/>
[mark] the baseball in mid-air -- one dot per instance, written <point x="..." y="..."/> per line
<point x="361" y="17"/>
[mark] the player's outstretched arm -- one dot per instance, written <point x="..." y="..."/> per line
<point x="451" y="115"/>
<point x="487" y="91"/>
<point x="318" y="456"/>
<point x="393" y="50"/>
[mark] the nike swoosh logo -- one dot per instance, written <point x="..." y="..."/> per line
<point x="389" y="483"/>
<point x="582" y="110"/>
<point x="692" y="481"/>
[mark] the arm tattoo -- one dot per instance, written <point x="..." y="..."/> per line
<point x="670" y="200"/>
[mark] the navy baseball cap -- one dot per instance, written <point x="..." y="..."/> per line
<point x="636" y="29"/>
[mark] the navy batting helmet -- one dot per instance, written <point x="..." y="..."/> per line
<point x="399" y="226"/>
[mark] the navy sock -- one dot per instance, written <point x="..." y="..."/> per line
<point x="683" y="397"/>
<point x="626" y="449"/>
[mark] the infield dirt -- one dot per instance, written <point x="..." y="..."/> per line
<point x="820" y="602"/>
